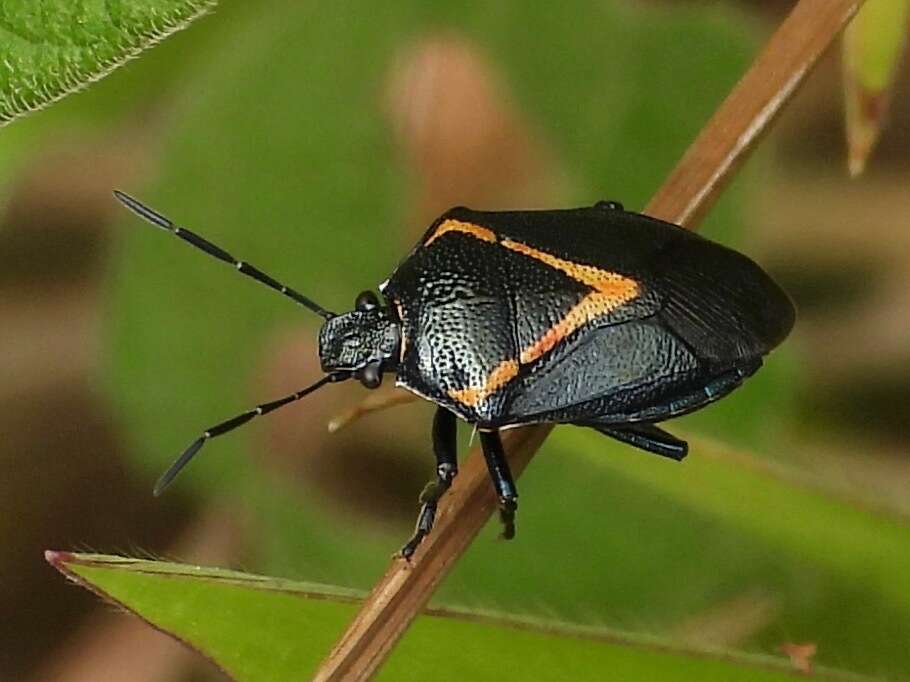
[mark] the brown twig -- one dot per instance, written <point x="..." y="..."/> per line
<point x="684" y="198"/>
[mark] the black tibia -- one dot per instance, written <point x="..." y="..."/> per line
<point x="501" y="477"/>
<point x="446" y="450"/>
<point x="647" y="437"/>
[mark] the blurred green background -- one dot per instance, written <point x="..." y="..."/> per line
<point x="318" y="142"/>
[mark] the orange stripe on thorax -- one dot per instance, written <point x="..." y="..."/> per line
<point x="450" y="225"/>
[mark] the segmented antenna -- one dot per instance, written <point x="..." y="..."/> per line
<point x="205" y="245"/>
<point x="231" y="424"/>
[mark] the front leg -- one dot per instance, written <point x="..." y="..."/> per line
<point x="501" y="477"/>
<point x="445" y="447"/>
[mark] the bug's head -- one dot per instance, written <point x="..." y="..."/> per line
<point x="363" y="342"/>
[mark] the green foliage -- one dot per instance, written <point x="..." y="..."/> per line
<point x="873" y="47"/>
<point x="296" y="172"/>
<point x="277" y="148"/>
<point x="296" y="624"/>
<point x="875" y="42"/>
<point x="642" y="543"/>
<point x="50" y="48"/>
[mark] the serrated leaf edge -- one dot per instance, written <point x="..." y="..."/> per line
<point x="63" y="561"/>
<point x="76" y="82"/>
<point x="60" y="561"/>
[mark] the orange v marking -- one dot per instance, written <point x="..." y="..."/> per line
<point x="610" y="290"/>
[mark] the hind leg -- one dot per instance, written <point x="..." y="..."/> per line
<point x="637" y="428"/>
<point x="646" y="437"/>
<point x="501" y="476"/>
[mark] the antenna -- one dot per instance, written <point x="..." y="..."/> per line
<point x="233" y="423"/>
<point x="203" y="244"/>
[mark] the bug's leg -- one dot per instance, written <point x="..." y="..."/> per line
<point x="501" y="477"/>
<point x="445" y="448"/>
<point x="646" y="437"/>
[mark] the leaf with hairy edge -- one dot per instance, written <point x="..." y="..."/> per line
<point x="873" y="45"/>
<point x="257" y="628"/>
<point x="50" y="48"/>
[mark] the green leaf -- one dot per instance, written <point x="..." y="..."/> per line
<point x="50" y="48"/>
<point x="873" y="45"/>
<point x="875" y="40"/>
<point x="265" y="629"/>
<point x="862" y="546"/>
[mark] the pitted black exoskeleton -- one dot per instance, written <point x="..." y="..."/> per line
<point x="593" y="316"/>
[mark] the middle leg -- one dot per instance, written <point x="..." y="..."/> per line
<point x="501" y="477"/>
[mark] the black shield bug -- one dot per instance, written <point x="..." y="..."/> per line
<point x="594" y="316"/>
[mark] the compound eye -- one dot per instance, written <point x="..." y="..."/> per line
<point x="371" y="376"/>
<point x="366" y="300"/>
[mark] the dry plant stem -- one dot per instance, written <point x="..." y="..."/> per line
<point x="734" y="129"/>
<point x="684" y="198"/>
<point x="406" y="586"/>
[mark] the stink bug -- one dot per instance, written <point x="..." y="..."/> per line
<point x="594" y="316"/>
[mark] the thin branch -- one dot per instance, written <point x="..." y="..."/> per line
<point x="684" y="198"/>
<point x="732" y="132"/>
